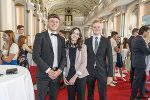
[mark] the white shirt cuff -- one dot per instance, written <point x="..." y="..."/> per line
<point x="64" y="73"/>
<point x="78" y="73"/>
<point x="59" y="70"/>
<point x="48" y="70"/>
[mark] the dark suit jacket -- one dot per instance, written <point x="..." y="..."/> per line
<point x="43" y="54"/>
<point x="130" y="41"/>
<point x="139" y="51"/>
<point x="104" y="50"/>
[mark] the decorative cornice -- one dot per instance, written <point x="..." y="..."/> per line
<point x="123" y="13"/>
<point x="34" y="15"/>
<point x="30" y="6"/>
<point x="28" y="11"/>
<point x="40" y="15"/>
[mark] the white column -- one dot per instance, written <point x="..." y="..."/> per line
<point x="122" y="24"/>
<point x="40" y="16"/>
<point x="6" y="16"/>
<point x="30" y="30"/>
<point x="140" y="13"/>
<point x="106" y="27"/>
<point x="122" y="31"/>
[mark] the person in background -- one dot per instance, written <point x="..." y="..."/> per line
<point x="119" y="57"/>
<point x="125" y="54"/>
<point x="75" y="73"/>
<point x="134" y="34"/>
<point x="10" y="49"/>
<point x="109" y="37"/>
<point x="62" y="33"/>
<point x="98" y="49"/>
<point x="20" y="29"/>
<point x="50" y="56"/>
<point x="139" y="51"/>
<point x="115" y="49"/>
<point x="23" y="51"/>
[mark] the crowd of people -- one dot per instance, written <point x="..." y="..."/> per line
<point x="15" y="49"/>
<point x="79" y="62"/>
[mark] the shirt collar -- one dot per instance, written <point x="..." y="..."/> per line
<point x="49" y="32"/>
<point x="99" y="37"/>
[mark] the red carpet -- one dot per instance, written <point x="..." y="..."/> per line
<point x="122" y="90"/>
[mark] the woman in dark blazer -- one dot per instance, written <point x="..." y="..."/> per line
<point x="75" y="73"/>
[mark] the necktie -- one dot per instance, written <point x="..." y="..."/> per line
<point x="96" y="45"/>
<point x="53" y="34"/>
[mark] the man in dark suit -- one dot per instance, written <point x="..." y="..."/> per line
<point x="98" y="50"/>
<point x="134" y="34"/>
<point x="139" y="51"/>
<point x="50" y="57"/>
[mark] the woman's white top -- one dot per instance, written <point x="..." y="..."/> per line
<point x="13" y="50"/>
<point x="124" y="54"/>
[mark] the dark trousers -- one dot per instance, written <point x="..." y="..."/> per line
<point x="138" y="82"/>
<point x="102" y="83"/>
<point x="79" y="88"/>
<point x="132" y="75"/>
<point x="42" y="86"/>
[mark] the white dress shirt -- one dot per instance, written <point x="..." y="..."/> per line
<point x="54" y="42"/>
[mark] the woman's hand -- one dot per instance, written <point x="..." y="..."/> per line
<point x="73" y="79"/>
<point x="65" y="80"/>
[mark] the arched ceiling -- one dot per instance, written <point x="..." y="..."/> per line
<point x="84" y="6"/>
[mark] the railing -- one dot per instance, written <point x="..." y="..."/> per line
<point x="72" y="23"/>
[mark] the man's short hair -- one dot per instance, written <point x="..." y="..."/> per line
<point x="62" y="31"/>
<point x="95" y="21"/>
<point x="135" y="30"/>
<point x="20" y="26"/>
<point x="143" y="29"/>
<point x="114" y="33"/>
<point x="53" y="16"/>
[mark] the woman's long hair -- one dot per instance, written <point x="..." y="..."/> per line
<point x="21" y="40"/>
<point x="125" y="42"/>
<point x="10" y="33"/>
<point x="79" y="41"/>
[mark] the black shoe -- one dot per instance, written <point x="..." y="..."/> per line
<point x="146" y="91"/>
<point x="63" y="86"/>
<point x="143" y="96"/>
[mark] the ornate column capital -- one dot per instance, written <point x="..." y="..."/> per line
<point x="30" y="6"/>
<point x="40" y="15"/>
<point x="28" y="11"/>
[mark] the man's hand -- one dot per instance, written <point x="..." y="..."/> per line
<point x="109" y="80"/>
<point x="55" y="74"/>
<point x="73" y="79"/>
<point x="50" y="73"/>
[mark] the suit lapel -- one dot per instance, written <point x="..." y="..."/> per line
<point x="59" y="47"/>
<point x="91" y="44"/>
<point x="48" y="39"/>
